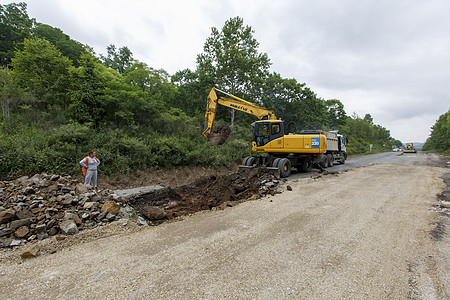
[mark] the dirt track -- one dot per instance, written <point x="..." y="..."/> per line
<point x="367" y="233"/>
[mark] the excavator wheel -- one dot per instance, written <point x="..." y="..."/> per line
<point x="275" y="162"/>
<point x="285" y="167"/>
<point x="306" y="165"/>
<point x="244" y="161"/>
<point x="250" y="161"/>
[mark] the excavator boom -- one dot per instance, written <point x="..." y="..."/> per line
<point x="232" y="102"/>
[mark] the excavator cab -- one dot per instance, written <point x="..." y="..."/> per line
<point x="266" y="131"/>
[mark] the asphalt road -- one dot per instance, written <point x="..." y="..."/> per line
<point x="398" y="158"/>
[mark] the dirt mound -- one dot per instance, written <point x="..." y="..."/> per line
<point x="205" y="193"/>
<point x="219" y="135"/>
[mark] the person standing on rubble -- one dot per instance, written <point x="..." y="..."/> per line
<point x="89" y="164"/>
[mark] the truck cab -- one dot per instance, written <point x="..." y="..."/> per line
<point x="342" y="144"/>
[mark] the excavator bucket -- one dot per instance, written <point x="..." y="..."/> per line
<point x="219" y="135"/>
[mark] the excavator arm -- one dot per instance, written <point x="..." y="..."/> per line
<point x="235" y="103"/>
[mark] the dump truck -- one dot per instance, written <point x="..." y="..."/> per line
<point x="273" y="143"/>
<point x="409" y="148"/>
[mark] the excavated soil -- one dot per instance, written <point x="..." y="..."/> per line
<point x="204" y="194"/>
<point x="219" y="135"/>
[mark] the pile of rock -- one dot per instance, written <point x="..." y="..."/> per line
<point x="47" y="205"/>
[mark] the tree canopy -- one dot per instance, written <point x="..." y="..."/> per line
<point x="439" y="139"/>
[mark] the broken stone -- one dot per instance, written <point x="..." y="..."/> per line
<point x="54" y="177"/>
<point x="41" y="227"/>
<point x="445" y="204"/>
<point x="89" y="205"/>
<point x="141" y="221"/>
<point x="23" y="178"/>
<point x="111" y="207"/>
<point x="24" y="214"/>
<point x="289" y="188"/>
<point x="5" y="232"/>
<point x="31" y="252"/>
<point x="15" y="243"/>
<point x="42" y="235"/>
<point x="68" y="227"/>
<point x="52" y="188"/>
<point x="153" y="213"/>
<point x="102" y="215"/>
<point x="96" y="198"/>
<point x="29" y="191"/>
<point x="21" y="232"/>
<point x="65" y="190"/>
<point x="51" y="223"/>
<point x="68" y="199"/>
<point x="53" y="231"/>
<point x="7" y="216"/>
<point x="19" y="223"/>
<point x="72" y="216"/>
<point x="110" y="217"/>
<point x="81" y="188"/>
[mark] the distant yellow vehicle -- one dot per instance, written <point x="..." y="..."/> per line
<point x="409" y="148"/>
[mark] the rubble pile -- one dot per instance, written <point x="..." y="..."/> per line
<point x="205" y="193"/>
<point x="48" y="205"/>
<point x="52" y="205"/>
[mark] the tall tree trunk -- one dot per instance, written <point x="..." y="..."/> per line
<point x="232" y="114"/>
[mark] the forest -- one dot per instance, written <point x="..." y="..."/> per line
<point x="439" y="139"/>
<point x="59" y="99"/>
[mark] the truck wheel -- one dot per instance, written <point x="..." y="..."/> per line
<point x="330" y="160"/>
<point x="324" y="162"/>
<point x="306" y="165"/>
<point x="285" y="167"/>
<point x="251" y="161"/>
<point x="275" y="162"/>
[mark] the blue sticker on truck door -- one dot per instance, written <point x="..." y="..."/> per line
<point x="315" y="142"/>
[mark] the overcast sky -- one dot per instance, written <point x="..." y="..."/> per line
<point x="387" y="58"/>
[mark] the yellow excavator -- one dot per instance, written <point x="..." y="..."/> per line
<point x="283" y="150"/>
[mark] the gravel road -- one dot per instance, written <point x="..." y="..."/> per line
<point x="367" y="233"/>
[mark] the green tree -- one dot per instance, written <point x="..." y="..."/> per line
<point x="293" y="102"/>
<point x="368" y="118"/>
<point x="119" y="60"/>
<point x="439" y="139"/>
<point x="191" y="92"/>
<point x="68" y="47"/>
<point x="43" y="70"/>
<point x="231" y="60"/>
<point x="87" y="88"/>
<point x="11" y="96"/>
<point x="15" y="26"/>
<point x="335" y="113"/>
